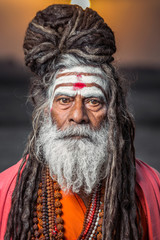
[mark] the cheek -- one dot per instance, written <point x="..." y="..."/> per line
<point x="97" y="118"/>
<point x="103" y="113"/>
<point x="59" y="117"/>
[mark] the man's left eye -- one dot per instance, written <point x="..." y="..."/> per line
<point x="93" y="102"/>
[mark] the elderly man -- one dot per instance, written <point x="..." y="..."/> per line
<point x="78" y="178"/>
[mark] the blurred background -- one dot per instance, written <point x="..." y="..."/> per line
<point x="136" y="27"/>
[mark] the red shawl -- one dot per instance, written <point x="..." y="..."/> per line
<point x="147" y="188"/>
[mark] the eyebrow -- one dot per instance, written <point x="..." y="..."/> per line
<point x="87" y="85"/>
<point x="67" y="91"/>
<point x="62" y="92"/>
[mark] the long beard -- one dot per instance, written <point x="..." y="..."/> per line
<point x="77" y="156"/>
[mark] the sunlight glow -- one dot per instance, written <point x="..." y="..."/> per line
<point x="83" y="3"/>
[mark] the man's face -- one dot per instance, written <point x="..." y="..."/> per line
<point x="79" y="98"/>
<point x="74" y="137"/>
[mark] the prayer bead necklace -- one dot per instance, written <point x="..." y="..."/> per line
<point x="48" y="223"/>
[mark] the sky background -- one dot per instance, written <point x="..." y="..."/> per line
<point x="135" y="23"/>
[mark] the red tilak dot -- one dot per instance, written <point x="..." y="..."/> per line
<point x="78" y="85"/>
<point x="79" y="75"/>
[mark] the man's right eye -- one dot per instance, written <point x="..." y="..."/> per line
<point x="64" y="100"/>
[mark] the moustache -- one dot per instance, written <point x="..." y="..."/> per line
<point x="76" y="132"/>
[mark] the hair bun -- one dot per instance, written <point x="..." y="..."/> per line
<point x="63" y="29"/>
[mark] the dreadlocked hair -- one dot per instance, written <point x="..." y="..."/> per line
<point x="58" y="37"/>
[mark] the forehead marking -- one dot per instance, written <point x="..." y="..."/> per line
<point x="86" y="85"/>
<point x="78" y="85"/>
<point x="79" y="75"/>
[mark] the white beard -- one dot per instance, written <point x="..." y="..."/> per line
<point x="77" y="162"/>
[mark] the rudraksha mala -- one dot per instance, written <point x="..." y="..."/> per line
<point x="47" y="216"/>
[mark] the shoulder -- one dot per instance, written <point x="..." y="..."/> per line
<point x="7" y="185"/>
<point x="9" y="174"/>
<point x="148" y="181"/>
<point x="8" y="181"/>
<point x="148" y="193"/>
<point x="146" y="173"/>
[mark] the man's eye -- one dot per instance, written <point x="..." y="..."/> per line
<point x="64" y="100"/>
<point x="94" y="102"/>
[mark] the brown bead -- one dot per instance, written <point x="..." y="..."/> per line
<point x="35" y="220"/>
<point x="59" y="220"/>
<point x="101" y="214"/>
<point x="47" y="180"/>
<point x="39" y="207"/>
<point x="39" y="192"/>
<point x="58" y="211"/>
<point x="58" y="204"/>
<point x="100" y="221"/>
<point x="60" y="235"/>
<point x="39" y="200"/>
<point x="58" y="195"/>
<point x="35" y="227"/>
<point x="34" y="214"/>
<point x="51" y="235"/>
<point x="42" y="238"/>
<point x="40" y="230"/>
<point x="36" y="233"/>
<point x="99" y="229"/>
<point x="49" y="199"/>
<point x="99" y="236"/>
<point x="56" y="186"/>
<point x="60" y="227"/>
<point x="39" y="214"/>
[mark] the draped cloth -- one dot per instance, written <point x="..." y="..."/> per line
<point x="147" y="189"/>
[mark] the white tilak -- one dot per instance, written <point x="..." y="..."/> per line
<point x="84" y="79"/>
<point x="85" y="92"/>
<point x="84" y="69"/>
<point x="79" y="77"/>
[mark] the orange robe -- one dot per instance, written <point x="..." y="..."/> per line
<point x="74" y="212"/>
<point x="147" y="188"/>
<point x="73" y="215"/>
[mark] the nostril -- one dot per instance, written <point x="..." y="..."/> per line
<point x="82" y="121"/>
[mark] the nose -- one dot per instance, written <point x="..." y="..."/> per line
<point x="78" y="112"/>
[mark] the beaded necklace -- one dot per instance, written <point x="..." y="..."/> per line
<point x="47" y="215"/>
